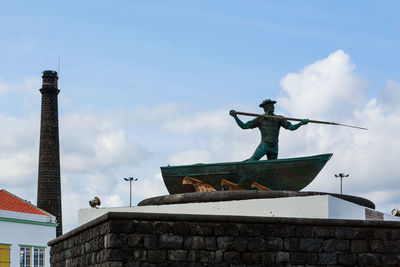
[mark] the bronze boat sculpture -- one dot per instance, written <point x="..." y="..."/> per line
<point x="292" y="174"/>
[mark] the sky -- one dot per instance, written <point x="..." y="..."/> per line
<point x="145" y="84"/>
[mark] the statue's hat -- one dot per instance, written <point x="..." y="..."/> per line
<point x="266" y="102"/>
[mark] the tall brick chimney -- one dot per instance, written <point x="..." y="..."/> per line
<point x="49" y="183"/>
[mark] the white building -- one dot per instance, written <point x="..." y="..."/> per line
<point x="24" y="232"/>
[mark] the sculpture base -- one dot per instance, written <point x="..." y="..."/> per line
<point x="254" y="203"/>
<point x="202" y="197"/>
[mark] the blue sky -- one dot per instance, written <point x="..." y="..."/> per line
<point x="147" y="83"/>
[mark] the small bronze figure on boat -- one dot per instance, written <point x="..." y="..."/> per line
<point x="269" y="128"/>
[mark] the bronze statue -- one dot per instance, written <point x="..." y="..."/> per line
<point x="199" y="186"/>
<point x="269" y="128"/>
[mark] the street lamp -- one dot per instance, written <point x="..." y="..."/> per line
<point x="341" y="175"/>
<point x="130" y="179"/>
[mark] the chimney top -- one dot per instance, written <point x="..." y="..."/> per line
<point x="50" y="79"/>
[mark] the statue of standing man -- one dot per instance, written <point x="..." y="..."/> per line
<point x="269" y="129"/>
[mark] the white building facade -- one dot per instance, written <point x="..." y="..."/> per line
<point x="24" y="233"/>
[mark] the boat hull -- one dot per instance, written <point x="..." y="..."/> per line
<point x="291" y="174"/>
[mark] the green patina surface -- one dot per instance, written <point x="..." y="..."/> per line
<point x="282" y="174"/>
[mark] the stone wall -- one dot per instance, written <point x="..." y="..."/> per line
<point x="145" y="239"/>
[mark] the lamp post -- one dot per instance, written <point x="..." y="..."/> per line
<point x="130" y="179"/>
<point x="341" y="175"/>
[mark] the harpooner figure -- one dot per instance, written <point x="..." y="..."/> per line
<point x="269" y="129"/>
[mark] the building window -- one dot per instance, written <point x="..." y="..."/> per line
<point x="38" y="257"/>
<point x="25" y="257"/>
<point x="31" y="256"/>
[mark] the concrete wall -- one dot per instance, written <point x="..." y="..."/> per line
<point x="317" y="206"/>
<point x="151" y="239"/>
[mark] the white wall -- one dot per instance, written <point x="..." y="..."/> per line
<point x="318" y="206"/>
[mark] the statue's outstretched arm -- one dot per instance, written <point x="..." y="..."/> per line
<point x="238" y="121"/>
<point x="292" y="127"/>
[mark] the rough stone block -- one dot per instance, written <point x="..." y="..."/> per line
<point x="112" y="241"/>
<point x="252" y="229"/>
<point x="327" y="258"/>
<point x="256" y="244"/>
<point x="226" y="230"/>
<point x="284" y="231"/>
<point x="282" y="257"/>
<point x="297" y="258"/>
<point x="391" y="246"/>
<point x="239" y="244"/>
<point x="119" y="254"/>
<point x="395" y="234"/>
<point x="219" y="256"/>
<point x="329" y="245"/>
<point x="390" y="259"/>
<point x="135" y="240"/>
<point x="232" y="257"/>
<point x="224" y="243"/>
<point x="177" y="255"/>
<point x="150" y="241"/>
<point x="195" y="242"/>
<point x="274" y="244"/>
<point x="363" y="233"/>
<point x="304" y="231"/>
<point x="381" y="234"/>
<point x="345" y="233"/>
<point x="114" y="264"/>
<point x="347" y="259"/>
<point x="291" y="244"/>
<point x="268" y="257"/>
<point x="332" y="245"/>
<point x="342" y="245"/>
<point x="310" y="244"/>
<point x="139" y="255"/>
<point x="324" y="231"/>
<point x="191" y="256"/>
<point x="251" y="258"/>
<point x="181" y="228"/>
<point x="376" y="246"/>
<point x="368" y="259"/>
<point x="211" y="243"/>
<point x="206" y="256"/>
<point x="170" y="241"/>
<point x="194" y="264"/>
<point x="202" y="230"/>
<point x="156" y="256"/>
<point x="119" y="226"/>
<point x="357" y="246"/>
<point x="145" y="228"/>
<point x="163" y="228"/>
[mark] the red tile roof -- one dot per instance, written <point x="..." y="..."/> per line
<point x="11" y="202"/>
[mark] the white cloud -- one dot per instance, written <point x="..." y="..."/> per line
<point x="326" y="88"/>
<point x="94" y="142"/>
<point x="331" y="89"/>
<point x="18" y="151"/>
<point x="189" y="157"/>
<point x="145" y="188"/>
